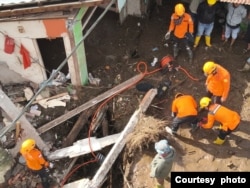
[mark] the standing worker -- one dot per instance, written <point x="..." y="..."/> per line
<point x="193" y="12"/>
<point x="184" y="110"/>
<point x="206" y="15"/>
<point x="182" y="25"/>
<point x="162" y="162"/>
<point x="35" y="161"/>
<point x="235" y="13"/>
<point x="228" y="119"/>
<point x="217" y="82"/>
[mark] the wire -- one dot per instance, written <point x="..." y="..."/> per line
<point x="142" y="68"/>
<point x="75" y="169"/>
<point x="186" y="72"/>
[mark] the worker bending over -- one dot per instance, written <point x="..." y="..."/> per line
<point x="228" y="119"/>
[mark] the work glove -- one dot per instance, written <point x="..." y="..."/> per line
<point x="189" y="37"/>
<point x="173" y="114"/>
<point x="47" y="170"/>
<point x="51" y="165"/>
<point x="167" y="35"/>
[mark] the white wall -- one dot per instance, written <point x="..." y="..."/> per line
<point x="14" y="70"/>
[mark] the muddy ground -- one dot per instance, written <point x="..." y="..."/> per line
<point x="110" y="52"/>
<point x="113" y="52"/>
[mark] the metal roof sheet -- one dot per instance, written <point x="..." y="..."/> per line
<point x="15" y="2"/>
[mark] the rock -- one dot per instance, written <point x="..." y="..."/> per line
<point x="6" y="163"/>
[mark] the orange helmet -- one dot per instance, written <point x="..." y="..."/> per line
<point x="27" y="145"/>
<point x="179" y="9"/>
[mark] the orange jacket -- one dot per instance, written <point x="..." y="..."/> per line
<point x="181" y="29"/>
<point x="34" y="159"/>
<point x="184" y="106"/>
<point x="219" y="84"/>
<point x="229" y="119"/>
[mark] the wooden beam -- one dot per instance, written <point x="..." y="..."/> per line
<point x="28" y="130"/>
<point x="50" y="98"/>
<point x="50" y="8"/>
<point x="82" y="147"/>
<point x="81" y="121"/>
<point x="102" y="172"/>
<point x="119" y="88"/>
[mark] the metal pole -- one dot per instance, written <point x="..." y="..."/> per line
<point x="12" y="125"/>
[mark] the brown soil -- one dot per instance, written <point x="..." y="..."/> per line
<point x="110" y="49"/>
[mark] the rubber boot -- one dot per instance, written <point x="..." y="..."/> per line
<point x="190" y="54"/>
<point x="245" y="68"/>
<point x="208" y="41"/>
<point x="196" y="41"/>
<point x="219" y="141"/>
<point x="175" y="50"/>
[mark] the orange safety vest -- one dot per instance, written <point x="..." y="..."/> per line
<point x="229" y="119"/>
<point x="184" y="106"/>
<point x="34" y="159"/>
<point x="219" y="83"/>
<point x="186" y="25"/>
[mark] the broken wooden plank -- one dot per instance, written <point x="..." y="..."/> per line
<point x="28" y="130"/>
<point x="82" y="147"/>
<point x="119" y="88"/>
<point x="18" y="130"/>
<point x="81" y="121"/>
<point x="118" y="146"/>
<point x="99" y="118"/>
<point x="50" y="98"/>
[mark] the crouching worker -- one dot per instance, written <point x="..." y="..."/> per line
<point x="35" y="161"/>
<point x="184" y="110"/>
<point x="162" y="162"/>
<point x="228" y="119"/>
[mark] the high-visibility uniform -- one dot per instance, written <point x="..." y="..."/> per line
<point x="181" y="25"/>
<point x="229" y="119"/>
<point x="184" y="106"/>
<point x="35" y="160"/>
<point x="219" y="84"/>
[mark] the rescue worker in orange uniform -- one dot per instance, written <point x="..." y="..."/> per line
<point x="184" y="110"/>
<point x="183" y="28"/>
<point x="35" y="161"/>
<point x="228" y="119"/>
<point x="217" y="82"/>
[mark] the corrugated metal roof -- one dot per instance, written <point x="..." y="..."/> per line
<point x="13" y="2"/>
<point x="246" y="2"/>
<point x="17" y="3"/>
<point x="18" y="8"/>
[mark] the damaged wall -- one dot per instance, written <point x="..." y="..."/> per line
<point x="19" y="66"/>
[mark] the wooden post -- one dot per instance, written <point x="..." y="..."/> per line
<point x="101" y="174"/>
<point x="119" y="88"/>
<point x="28" y="130"/>
<point x="81" y="121"/>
